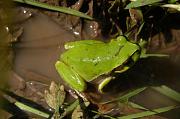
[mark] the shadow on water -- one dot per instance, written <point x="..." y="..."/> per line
<point x="170" y="21"/>
<point x="147" y="72"/>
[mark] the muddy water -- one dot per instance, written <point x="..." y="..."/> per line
<point x="40" y="46"/>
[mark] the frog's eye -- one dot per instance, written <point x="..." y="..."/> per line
<point x="121" y="39"/>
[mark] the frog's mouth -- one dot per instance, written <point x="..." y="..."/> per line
<point x="127" y="64"/>
<point x="124" y="67"/>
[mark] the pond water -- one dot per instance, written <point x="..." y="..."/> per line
<point x="40" y="46"/>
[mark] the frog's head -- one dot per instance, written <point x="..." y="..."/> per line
<point x="130" y="53"/>
<point x="127" y="55"/>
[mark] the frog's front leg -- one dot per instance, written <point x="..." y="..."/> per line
<point x="104" y="83"/>
<point x="70" y="76"/>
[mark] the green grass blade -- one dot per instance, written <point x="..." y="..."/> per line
<point x="174" y="6"/>
<point x="139" y="3"/>
<point x="128" y="95"/>
<point x="172" y="1"/>
<point x="104" y="115"/>
<point x="137" y="106"/>
<point x="153" y="55"/>
<point x="147" y="113"/>
<point x="69" y="109"/>
<point x="131" y="94"/>
<point x="31" y="109"/>
<point x="55" y="8"/>
<point x="168" y="92"/>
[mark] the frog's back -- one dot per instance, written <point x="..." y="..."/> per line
<point x="94" y="58"/>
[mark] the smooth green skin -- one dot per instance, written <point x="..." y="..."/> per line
<point x="85" y="60"/>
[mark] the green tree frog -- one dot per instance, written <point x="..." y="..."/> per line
<point x="85" y="60"/>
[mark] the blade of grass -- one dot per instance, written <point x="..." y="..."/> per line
<point x="131" y="94"/>
<point x="127" y="96"/>
<point x="174" y="6"/>
<point x="55" y="8"/>
<point x="70" y="108"/>
<point x="31" y="109"/>
<point x="139" y="3"/>
<point x="104" y="115"/>
<point x="148" y="113"/>
<point x="134" y="105"/>
<point x="172" y="1"/>
<point x="168" y="92"/>
<point x="137" y="106"/>
<point x="153" y="55"/>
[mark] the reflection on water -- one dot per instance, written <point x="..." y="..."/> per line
<point x="40" y="46"/>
